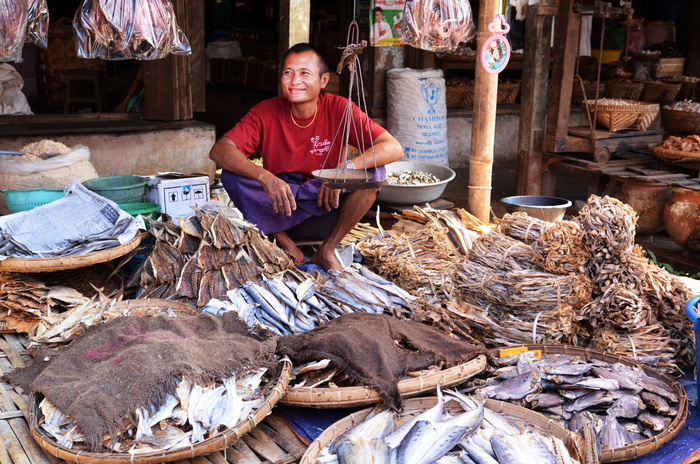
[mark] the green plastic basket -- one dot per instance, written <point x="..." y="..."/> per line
<point x="144" y="209"/>
<point x="26" y="199"/>
<point x="119" y="189"/>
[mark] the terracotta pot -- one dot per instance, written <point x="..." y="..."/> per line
<point x="646" y="198"/>
<point x="682" y="217"/>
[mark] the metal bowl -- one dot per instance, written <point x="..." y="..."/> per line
<point x="415" y="194"/>
<point x="540" y="207"/>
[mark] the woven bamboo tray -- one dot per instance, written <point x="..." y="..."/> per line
<point x="350" y="397"/>
<point x="660" y="92"/>
<point x="635" y="115"/>
<point x="68" y="262"/>
<point x="272" y="391"/>
<point x="624" y="90"/>
<point x="675" y="156"/>
<point x="643" y="447"/>
<point x="682" y="121"/>
<point x="415" y="406"/>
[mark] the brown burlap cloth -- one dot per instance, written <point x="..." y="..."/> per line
<point x="377" y="350"/>
<point x="114" y="368"/>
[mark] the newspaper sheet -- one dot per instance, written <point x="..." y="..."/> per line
<point x="79" y="223"/>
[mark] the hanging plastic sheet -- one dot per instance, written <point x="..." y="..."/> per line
<point x="13" y="29"/>
<point x="128" y="29"/>
<point x="437" y="25"/>
<point x="38" y="23"/>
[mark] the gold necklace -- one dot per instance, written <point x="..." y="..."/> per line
<point x="299" y="125"/>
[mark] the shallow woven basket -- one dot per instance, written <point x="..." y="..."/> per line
<point x="146" y="306"/>
<point x="675" y="156"/>
<point x="272" y="391"/>
<point x="643" y="447"/>
<point x="68" y="262"/>
<point x="624" y="90"/>
<point x="415" y="406"/>
<point x="454" y="96"/>
<point x="350" y="397"/>
<point x="507" y="92"/>
<point x="682" y="121"/>
<point x="635" y="116"/>
<point x="660" y="92"/>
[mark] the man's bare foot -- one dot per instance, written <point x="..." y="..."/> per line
<point x="288" y="245"/>
<point x="327" y="261"/>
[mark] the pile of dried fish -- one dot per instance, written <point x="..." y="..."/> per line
<point x="609" y="228"/>
<point x="560" y="250"/>
<point x="523" y="227"/>
<point x="192" y="413"/>
<point x="206" y="255"/>
<point x="459" y="430"/>
<point x="286" y="307"/>
<point x="361" y="231"/>
<point x="411" y="178"/>
<point x="421" y="261"/>
<point x="624" y="404"/>
<point x="498" y="251"/>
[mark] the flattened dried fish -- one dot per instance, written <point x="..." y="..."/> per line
<point x="224" y="233"/>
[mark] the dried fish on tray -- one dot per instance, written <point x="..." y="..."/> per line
<point x="181" y="404"/>
<point x="285" y="307"/>
<point x="446" y="428"/>
<point x="632" y="408"/>
<point x="204" y="256"/>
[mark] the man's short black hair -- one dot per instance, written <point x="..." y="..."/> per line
<point x="304" y="47"/>
<point x="379" y="9"/>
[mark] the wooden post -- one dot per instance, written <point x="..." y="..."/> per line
<point x="567" y="28"/>
<point x="295" y="17"/>
<point x="533" y="101"/>
<point x="484" y="121"/>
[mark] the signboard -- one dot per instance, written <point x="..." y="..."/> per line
<point x="385" y="22"/>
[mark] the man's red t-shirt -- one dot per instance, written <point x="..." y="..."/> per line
<point x="268" y="129"/>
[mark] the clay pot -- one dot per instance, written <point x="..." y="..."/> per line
<point x="682" y="217"/>
<point x="646" y="198"/>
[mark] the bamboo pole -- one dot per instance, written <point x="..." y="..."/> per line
<point x="484" y="121"/>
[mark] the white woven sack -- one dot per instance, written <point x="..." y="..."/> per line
<point x="417" y="113"/>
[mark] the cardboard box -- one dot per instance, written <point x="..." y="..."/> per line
<point x="177" y="193"/>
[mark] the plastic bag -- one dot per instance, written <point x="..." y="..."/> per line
<point x="437" y="25"/>
<point x="13" y="29"/>
<point x="15" y="165"/>
<point x="12" y="100"/>
<point x="38" y="23"/>
<point x="128" y="29"/>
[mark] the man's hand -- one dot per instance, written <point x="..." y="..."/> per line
<point x="280" y="194"/>
<point x="328" y="198"/>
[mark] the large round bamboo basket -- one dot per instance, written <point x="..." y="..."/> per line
<point x="415" y="406"/>
<point x="30" y="265"/>
<point x="350" y="397"/>
<point x="683" y="121"/>
<point x="645" y="446"/>
<point x="272" y="391"/>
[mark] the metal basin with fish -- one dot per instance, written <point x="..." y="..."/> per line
<point x="415" y="194"/>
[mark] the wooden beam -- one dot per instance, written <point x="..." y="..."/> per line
<point x="483" y="123"/>
<point x="533" y="100"/>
